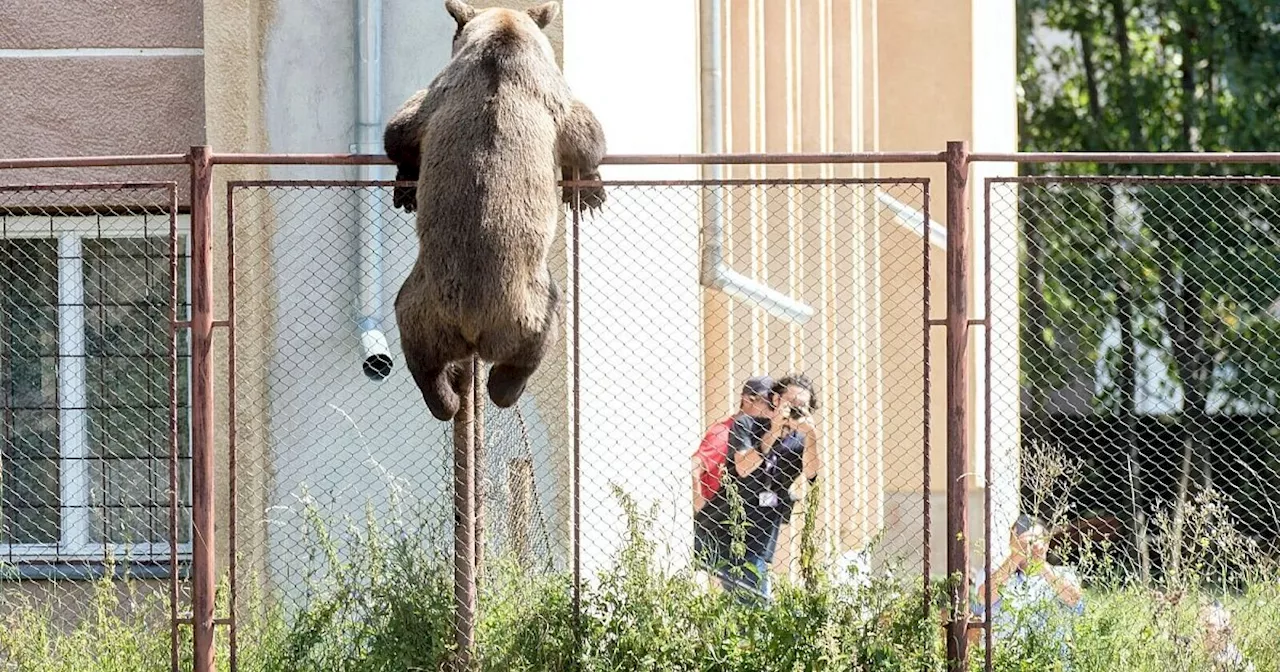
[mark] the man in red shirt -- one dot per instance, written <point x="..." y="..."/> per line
<point x="709" y="466"/>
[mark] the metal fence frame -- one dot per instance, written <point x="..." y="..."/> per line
<point x="202" y="162"/>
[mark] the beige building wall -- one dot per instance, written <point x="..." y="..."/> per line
<point x="102" y="78"/>
<point x="97" y="78"/>
<point x="848" y="76"/>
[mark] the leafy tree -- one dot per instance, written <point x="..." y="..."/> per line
<point x="1184" y="271"/>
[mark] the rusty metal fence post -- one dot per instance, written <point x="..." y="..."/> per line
<point x="957" y="401"/>
<point x="478" y="472"/>
<point x="464" y="521"/>
<point x="202" y="432"/>
<point x="575" y="503"/>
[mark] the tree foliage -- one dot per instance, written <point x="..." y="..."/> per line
<point x="1173" y="278"/>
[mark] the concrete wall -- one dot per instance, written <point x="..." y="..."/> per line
<point x="640" y="348"/>
<point x="100" y="77"/>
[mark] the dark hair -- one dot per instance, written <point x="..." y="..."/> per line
<point x="797" y="380"/>
<point x="1026" y="522"/>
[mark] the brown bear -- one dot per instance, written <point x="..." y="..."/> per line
<point x="486" y="142"/>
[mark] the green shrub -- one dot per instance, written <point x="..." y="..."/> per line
<point x="385" y="603"/>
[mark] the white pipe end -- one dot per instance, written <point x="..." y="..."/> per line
<point x="377" y="362"/>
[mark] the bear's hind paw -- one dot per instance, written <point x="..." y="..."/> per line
<point x="405" y="198"/>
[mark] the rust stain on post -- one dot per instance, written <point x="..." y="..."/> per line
<point x="173" y="428"/>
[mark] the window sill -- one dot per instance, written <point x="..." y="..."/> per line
<point x="71" y="570"/>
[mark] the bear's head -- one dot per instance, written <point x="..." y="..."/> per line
<point x="481" y="24"/>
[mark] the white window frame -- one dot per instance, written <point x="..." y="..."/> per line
<point x="73" y="439"/>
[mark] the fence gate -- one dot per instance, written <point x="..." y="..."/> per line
<point x="803" y="270"/>
<point x="333" y="456"/>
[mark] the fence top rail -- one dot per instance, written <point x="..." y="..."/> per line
<point x="1068" y="180"/>
<point x="90" y="186"/>
<point x="95" y="161"/>
<point x="744" y="182"/>
<point x="611" y="159"/>
<point x="1129" y="157"/>
<point x="782" y="158"/>
<point x="916" y="157"/>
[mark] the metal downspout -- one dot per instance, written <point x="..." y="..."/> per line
<point x="376" y="361"/>
<point x="715" y="272"/>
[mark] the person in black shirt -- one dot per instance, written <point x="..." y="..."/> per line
<point x="769" y="455"/>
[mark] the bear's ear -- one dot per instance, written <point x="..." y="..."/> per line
<point x="545" y="13"/>
<point x="460" y="11"/>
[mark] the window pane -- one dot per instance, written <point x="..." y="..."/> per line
<point x="127" y="509"/>
<point x="30" y="501"/>
<point x="127" y="324"/>
<point x="118" y="382"/>
<point x="32" y="434"/>
<point x="32" y="327"/>
<point x="31" y="382"/>
<point x="28" y="323"/>
<point x="29" y="270"/>
<point x="29" y="491"/>
<point x="132" y="432"/>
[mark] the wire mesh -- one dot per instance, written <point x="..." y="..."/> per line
<point x="335" y="466"/>
<point x="94" y="455"/>
<point x="1125" y="372"/>
<point x="1144" y="317"/>
<point x="345" y="483"/>
<point x="665" y="359"/>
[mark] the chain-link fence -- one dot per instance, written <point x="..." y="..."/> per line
<point x="345" y="482"/>
<point x="1146" y="326"/>
<point x="337" y="464"/>
<point x="1118" y="387"/>
<point x="95" y="466"/>
<point x="815" y="283"/>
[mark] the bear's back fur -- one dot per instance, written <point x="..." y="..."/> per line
<point x="487" y="198"/>
<point x="485" y="145"/>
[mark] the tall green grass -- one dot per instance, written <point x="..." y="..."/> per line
<point x="383" y="601"/>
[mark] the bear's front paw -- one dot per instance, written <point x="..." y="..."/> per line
<point x="405" y="198"/>
<point x="590" y="198"/>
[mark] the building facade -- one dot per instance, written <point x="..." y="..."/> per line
<point x="662" y="349"/>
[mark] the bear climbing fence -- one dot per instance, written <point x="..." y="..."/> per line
<point x="255" y="451"/>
